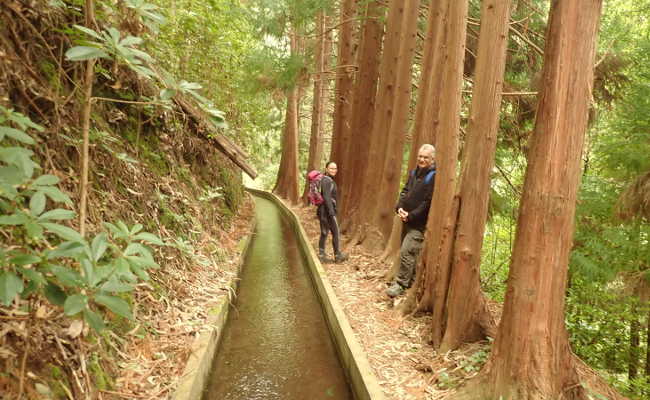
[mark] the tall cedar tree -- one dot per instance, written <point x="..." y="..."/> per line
<point x="391" y="171"/>
<point x="363" y="107"/>
<point x="432" y="277"/>
<point x="531" y="357"/>
<point x="423" y="123"/>
<point x="286" y="185"/>
<point x="467" y="317"/>
<point x="343" y="91"/>
<point x="319" y="105"/>
<point x="365" y="222"/>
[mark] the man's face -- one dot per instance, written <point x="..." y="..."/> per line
<point x="425" y="158"/>
<point x="332" y="169"/>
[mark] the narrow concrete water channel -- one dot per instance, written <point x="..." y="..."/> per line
<point x="276" y="345"/>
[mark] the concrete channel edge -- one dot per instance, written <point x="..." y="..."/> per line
<point x="352" y="356"/>
<point x="204" y="348"/>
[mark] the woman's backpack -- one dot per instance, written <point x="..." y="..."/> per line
<point x="315" y="196"/>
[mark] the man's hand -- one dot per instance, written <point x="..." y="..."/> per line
<point x="402" y="214"/>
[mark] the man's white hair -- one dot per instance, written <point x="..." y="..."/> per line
<point x="428" y="147"/>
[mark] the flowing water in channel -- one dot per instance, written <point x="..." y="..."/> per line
<point x="276" y="345"/>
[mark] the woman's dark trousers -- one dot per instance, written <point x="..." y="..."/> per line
<point x="328" y="224"/>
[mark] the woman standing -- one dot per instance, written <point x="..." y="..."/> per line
<point x="327" y="215"/>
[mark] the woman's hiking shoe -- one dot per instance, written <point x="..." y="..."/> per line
<point x="323" y="259"/>
<point x="340" y="258"/>
<point x="395" y="290"/>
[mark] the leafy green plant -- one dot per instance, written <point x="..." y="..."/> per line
<point x="45" y="258"/>
<point x="475" y="362"/>
<point x="446" y="380"/>
<point x="110" y="44"/>
<point x="147" y="12"/>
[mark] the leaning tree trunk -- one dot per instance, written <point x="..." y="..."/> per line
<point x="531" y="357"/>
<point x="468" y="319"/>
<point x="363" y="106"/>
<point x="286" y="185"/>
<point x="319" y="103"/>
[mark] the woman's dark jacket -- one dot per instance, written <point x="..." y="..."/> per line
<point x="328" y="190"/>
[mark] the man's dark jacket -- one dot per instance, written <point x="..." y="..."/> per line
<point x="415" y="198"/>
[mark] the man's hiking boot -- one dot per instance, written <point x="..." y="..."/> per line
<point x="323" y="258"/>
<point x="340" y="258"/>
<point x="395" y="290"/>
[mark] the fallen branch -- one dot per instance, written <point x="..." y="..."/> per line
<point x="227" y="147"/>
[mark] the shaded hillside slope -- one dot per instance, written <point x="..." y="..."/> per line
<point x="149" y="164"/>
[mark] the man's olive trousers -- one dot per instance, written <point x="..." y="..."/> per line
<point x="408" y="255"/>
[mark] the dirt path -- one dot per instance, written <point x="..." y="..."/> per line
<point x="398" y="348"/>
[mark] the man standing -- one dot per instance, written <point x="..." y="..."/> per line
<point x="413" y="209"/>
<point x="327" y="215"/>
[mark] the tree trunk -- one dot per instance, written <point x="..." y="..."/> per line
<point x="364" y="222"/>
<point x="394" y="243"/>
<point x="344" y="80"/>
<point x="392" y="166"/>
<point x="426" y="126"/>
<point x="423" y="131"/>
<point x="647" y="347"/>
<point x="319" y="103"/>
<point x="436" y="259"/>
<point x="635" y="341"/>
<point x="363" y="108"/>
<point x="429" y="89"/>
<point x="468" y="319"/>
<point x="531" y="357"/>
<point x="87" y="108"/>
<point x="286" y="185"/>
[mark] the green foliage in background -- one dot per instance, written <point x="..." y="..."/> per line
<point x="609" y="271"/>
<point x="212" y="42"/>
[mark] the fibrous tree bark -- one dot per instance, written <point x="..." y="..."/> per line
<point x="286" y="185"/>
<point x="467" y="318"/>
<point x="367" y="231"/>
<point x="432" y="278"/>
<point x="363" y="107"/>
<point x="442" y="222"/>
<point x="531" y="357"/>
<point x="425" y="120"/>
<point x="319" y="100"/>
<point x="343" y="91"/>
<point x="396" y="135"/>
<point x="423" y="128"/>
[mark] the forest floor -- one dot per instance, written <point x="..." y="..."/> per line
<point x="397" y="346"/>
